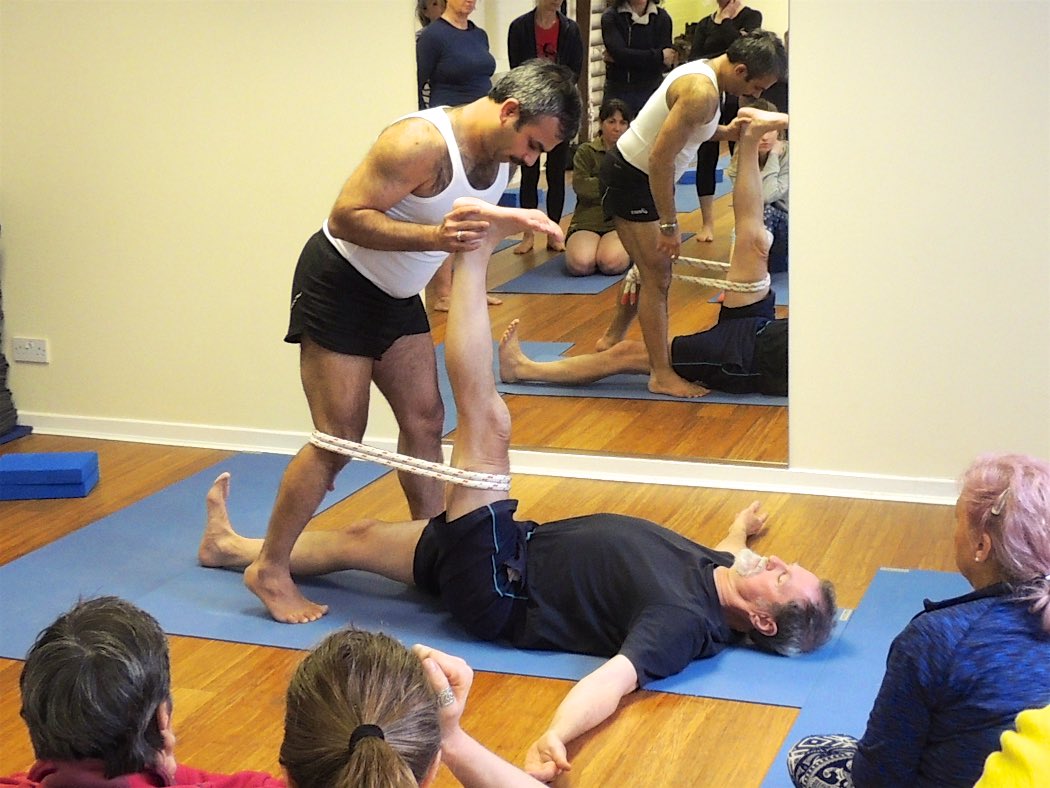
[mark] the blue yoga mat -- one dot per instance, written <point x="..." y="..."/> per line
<point x="139" y="549"/>
<point x="615" y="387"/>
<point x="16" y="432"/>
<point x="550" y="278"/>
<point x="506" y="243"/>
<point x="147" y="553"/>
<point x="779" y="284"/>
<point x="842" y="697"/>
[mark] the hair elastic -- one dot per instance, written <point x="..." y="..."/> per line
<point x="364" y="732"/>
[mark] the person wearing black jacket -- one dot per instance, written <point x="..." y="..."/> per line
<point x="548" y="34"/>
<point x="638" y="50"/>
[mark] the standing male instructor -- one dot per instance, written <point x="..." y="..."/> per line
<point x="355" y="308"/>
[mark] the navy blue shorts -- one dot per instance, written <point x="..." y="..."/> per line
<point x="625" y="190"/>
<point x="723" y="357"/>
<point x="341" y="310"/>
<point x="466" y="563"/>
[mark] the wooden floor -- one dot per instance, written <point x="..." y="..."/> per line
<point x="229" y="697"/>
<point x="680" y="430"/>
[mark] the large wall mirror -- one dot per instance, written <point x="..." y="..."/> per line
<point x="679" y="430"/>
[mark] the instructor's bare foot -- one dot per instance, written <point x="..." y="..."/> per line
<point x="221" y="546"/>
<point x="493" y="301"/>
<point x="508" y="221"/>
<point x="705" y="234"/>
<point x="528" y="241"/>
<point x="608" y="339"/>
<point x="510" y="356"/>
<point x="675" y="386"/>
<point x="274" y="586"/>
<point x="554" y="245"/>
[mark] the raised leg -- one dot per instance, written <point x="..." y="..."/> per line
<point x="749" y="261"/>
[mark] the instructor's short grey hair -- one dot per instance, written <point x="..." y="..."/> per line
<point x="541" y="89"/>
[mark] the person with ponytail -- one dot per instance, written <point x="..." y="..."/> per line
<point x="365" y="712"/>
<point x="964" y="668"/>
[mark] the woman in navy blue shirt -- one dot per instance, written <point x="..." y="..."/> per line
<point x="452" y="55"/>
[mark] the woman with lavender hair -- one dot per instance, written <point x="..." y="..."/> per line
<point x="963" y="669"/>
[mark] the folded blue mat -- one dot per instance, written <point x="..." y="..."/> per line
<point x="615" y="387"/>
<point x="551" y="278"/>
<point x="16" y="432"/>
<point x="842" y="697"/>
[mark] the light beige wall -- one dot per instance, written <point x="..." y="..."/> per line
<point x="163" y="165"/>
<point x="164" y="162"/>
<point x="920" y="283"/>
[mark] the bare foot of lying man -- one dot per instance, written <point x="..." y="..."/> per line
<point x="511" y="359"/>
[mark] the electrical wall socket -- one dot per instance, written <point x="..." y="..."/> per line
<point x="32" y="350"/>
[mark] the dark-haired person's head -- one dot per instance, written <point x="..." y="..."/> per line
<point x="97" y="685"/>
<point x="758" y="59"/>
<point x="541" y="99"/>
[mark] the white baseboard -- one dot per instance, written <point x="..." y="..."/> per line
<point x="636" y="470"/>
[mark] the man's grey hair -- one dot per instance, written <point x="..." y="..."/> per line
<point x="542" y="89"/>
<point x="762" y="52"/>
<point x="92" y="683"/>
<point x="801" y="626"/>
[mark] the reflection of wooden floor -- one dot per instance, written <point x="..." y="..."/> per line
<point x="229" y="703"/>
<point x="630" y="427"/>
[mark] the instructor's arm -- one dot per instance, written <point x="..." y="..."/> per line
<point x="594" y="698"/>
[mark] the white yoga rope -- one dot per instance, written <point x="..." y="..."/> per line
<point x="633" y="278"/>
<point x="402" y="462"/>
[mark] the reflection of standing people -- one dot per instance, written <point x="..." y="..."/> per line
<point x="452" y="55"/>
<point x="638" y="50"/>
<point x="545" y="33"/>
<point x="713" y="36"/>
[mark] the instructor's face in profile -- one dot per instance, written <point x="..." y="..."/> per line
<point x="525" y="144"/>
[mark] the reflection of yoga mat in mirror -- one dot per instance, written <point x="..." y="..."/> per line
<point x="614" y="387"/>
<point x="840" y="700"/>
<point x="146" y="553"/>
<point x="550" y="278"/>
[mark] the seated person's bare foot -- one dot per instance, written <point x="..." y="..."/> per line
<point x="760" y="121"/>
<point x="220" y="545"/>
<point x="493" y="300"/>
<point x="705" y="234"/>
<point x="554" y="245"/>
<point x="504" y="221"/>
<point x="675" y="386"/>
<point x="510" y="354"/>
<point x="278" y="592"/>
<point x="528" y="241"/>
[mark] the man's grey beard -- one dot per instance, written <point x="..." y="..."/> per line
<point x="748" y="563"/>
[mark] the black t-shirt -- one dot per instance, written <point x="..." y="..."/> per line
<point x="607" y="584"/>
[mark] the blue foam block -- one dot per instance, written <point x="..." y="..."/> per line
<point x="48" y="468"/>
<point x="16" y="432"/>
<point x="28" y="492"/>
<point x="839" y="701"/>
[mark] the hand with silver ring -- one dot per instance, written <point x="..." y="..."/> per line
<point x="446" y="697"/>
<point x="459" y="236"/>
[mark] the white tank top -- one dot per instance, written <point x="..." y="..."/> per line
<point x="637" y="142"/>
<point x="403" y="274"/>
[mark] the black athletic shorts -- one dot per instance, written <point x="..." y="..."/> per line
<point x="625" y="190"/>
<point x="466" y="563"/>
<point x="725" y="356"/>
<point x="342" y="311"/>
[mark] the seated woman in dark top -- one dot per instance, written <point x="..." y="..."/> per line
<point x="963" y="669"/>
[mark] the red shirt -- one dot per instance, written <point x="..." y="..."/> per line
<point x="547" y="42"/>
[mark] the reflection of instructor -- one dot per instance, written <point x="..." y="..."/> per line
<point x="548" y="34"/>
<point x="712" y="38"/>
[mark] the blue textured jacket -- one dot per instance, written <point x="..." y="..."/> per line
<point x="956" y="678"/>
